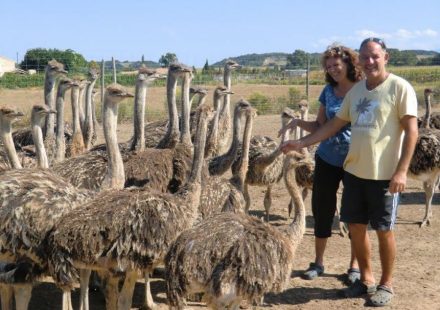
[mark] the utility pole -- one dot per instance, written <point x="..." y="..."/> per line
<point x="308" y="76"/>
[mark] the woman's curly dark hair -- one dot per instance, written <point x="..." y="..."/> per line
<point x="349" y="56"/>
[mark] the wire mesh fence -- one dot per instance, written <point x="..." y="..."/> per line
<point x="268" y="89"/>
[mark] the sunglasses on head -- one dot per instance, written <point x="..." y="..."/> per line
<point x="375" y="40"/>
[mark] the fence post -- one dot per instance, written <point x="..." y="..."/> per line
<point x="307" y="77"/>
<point x="114" y="70"/>
<point x="102" y="81"/>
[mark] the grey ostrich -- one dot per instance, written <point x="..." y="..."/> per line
<point x="425" y="162"/>
<point x="230" y="257"/>
<point x="38" y="198"/>
<point x="82" y="102"/>
<point x="54" y="69"/>
<point x="31" y="201"/>
<point x="265" y="164"/>
<point x="8" y="155"/>
<point x="128" y="230"/>
<point x="160" y="169"/>
<point x="76" y="147"/>
<point x="434" y="118"/>
<point x="140" y="97"/>
<point x="89" y="127"/>
<point x="64" y="85"/>
<point x="225" y="120"/>
<point x="172" y="134"/>
<point x="213" y="145"/>
<point x="221" y="194"/>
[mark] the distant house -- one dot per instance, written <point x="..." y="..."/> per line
<point x="6" y="65"/>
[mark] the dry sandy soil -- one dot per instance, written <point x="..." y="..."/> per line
<point x="417" y="272"/>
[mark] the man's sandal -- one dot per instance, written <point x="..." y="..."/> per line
<point x="382" y="297"/>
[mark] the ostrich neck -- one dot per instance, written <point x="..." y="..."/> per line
<point x="185" y="135"/>
<point x="192" y="189"/>
<point x="6" y="135"/>
<point x="240" y="174"/>
<point x="81" y="105"/>
<point x="61" y="144"/>
<point x="88" y="116"/>
<point x="227" y="83"/>
<point x="49" y="100"/>
<point x="268" y="159"/>
<point x="115" y="177"/>
<point x="427" y="118"/>
<point x="173" y="127"/>
<point x="304" y="117"/>
<point x="75" y="110"/>
<point x="140" y="97"/>
<point x="226" y="160"/>
<point x="297" y="227"/>
<point x="214" y="131"/>
<point x="37" y="136"/>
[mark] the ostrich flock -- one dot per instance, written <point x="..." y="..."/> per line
<point x="176" y="194"/>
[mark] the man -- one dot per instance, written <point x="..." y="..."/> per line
<point x="379" y="108"/>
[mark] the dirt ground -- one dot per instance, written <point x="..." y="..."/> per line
<point x="417" y="275"/>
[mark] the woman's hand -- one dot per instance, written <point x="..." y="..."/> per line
<point x="291" y="145"/>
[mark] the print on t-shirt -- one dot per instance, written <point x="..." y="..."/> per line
<point x="366" y="117"/>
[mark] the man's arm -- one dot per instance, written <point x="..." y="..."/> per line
<point x="330" y="128"/>
<point x="411" y="132"/>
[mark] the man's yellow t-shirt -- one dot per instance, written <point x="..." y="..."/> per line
<point x="376" y="133"/>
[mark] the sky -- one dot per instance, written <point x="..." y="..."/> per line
<point x="197" y="30"/>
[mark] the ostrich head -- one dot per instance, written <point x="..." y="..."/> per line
<point x="93" y="74"/>
<point x="221" y="91"/>
<point x="39" y="113"/>
<point x="116" y="93"/>
<point x="303" y="106"/>
<point x="55" y="68"/>
<point x="147" y="75"/>
<point x="9" y="114"/>
<point x="178" y="69"/>
<point x="231" y="65"/>
<point x="66" y="83"/>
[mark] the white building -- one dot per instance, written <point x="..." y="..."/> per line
<point x="6" y="65"/>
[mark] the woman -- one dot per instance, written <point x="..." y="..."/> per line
<point x="341" y="73"/>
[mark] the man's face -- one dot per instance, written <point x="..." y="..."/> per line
<point x="373" y="59"/>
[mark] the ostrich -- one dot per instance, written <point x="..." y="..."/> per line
<point x="434" y="118"/>
<point x="425" y="162"/>
<point x="220" y="194"/>
<point x="265" y="164"/>
<point x="225" y="122"/>
<point x="230" y="257"/>
<point x="220" y="164"/>
<point x="89" y="128"/>
<point x="31" y="201"/>
<point x="82" y="102"/>
<point x="38" y="198"/>
<point x="63" y="86"/>
<point x="160" y="169"/>
<point x="213" y="142"/>
<point x="54" y="69"/>
<point x="172" y="135"/>
<point x="128" y="230"/>
<point x="303" y="106"/>
<point x="76" y="147"/>
<point x="9" y="158"/>
<point x="145" y="75"/>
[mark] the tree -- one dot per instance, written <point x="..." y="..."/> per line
<point x="166" y="59"/>
<point x="37" y="59"/>
<point x="205" y="67"/>
<point x="298" y="59"/>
